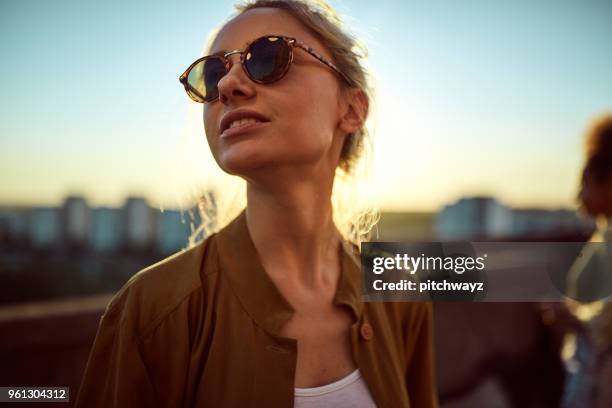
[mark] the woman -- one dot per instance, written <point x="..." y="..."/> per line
<point x="267" y="311"/>
<point x="590" y="281"/>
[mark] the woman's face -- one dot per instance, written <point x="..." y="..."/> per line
<point x="303" y="109"/>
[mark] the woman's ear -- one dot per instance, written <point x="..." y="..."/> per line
<point x="355" y="110"/>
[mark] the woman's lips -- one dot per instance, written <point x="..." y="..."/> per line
<point x="242" y="129"/>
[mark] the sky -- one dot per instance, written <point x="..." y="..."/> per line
<point x="472" y="98"/>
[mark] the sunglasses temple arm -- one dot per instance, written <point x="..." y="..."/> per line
<point x="323" y="60"/>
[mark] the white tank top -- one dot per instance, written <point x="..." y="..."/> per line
<point x="348" y="392"/>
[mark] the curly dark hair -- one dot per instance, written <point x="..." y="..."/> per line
<point x="598" y="164"/>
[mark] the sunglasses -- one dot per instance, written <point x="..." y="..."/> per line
<point x="264" y="60"/>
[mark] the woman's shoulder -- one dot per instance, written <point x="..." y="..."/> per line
<point x="156" y="290"/>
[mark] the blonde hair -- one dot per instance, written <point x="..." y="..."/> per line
<point x="354" y="214"/>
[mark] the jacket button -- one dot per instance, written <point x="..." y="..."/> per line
<point x="366" y="331"/>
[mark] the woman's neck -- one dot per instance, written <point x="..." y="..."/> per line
<point x="294" y="232"/>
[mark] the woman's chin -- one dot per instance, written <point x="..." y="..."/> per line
<point x="254" y="168"/>
<point x="241" y="166"/>
<point x="240" y="161"/>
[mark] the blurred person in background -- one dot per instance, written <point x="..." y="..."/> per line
<point x="588" y="347"/>
<point x="267" y="311"/>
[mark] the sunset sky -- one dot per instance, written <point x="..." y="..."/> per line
<point x="473" y="97"/>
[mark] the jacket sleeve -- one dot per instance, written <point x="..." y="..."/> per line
<point x="115" y="375"/>
<point x="420" y="375"/>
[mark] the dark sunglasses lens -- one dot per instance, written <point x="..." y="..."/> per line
<point x="204" y="77"/>
<point x="267" y="59"/>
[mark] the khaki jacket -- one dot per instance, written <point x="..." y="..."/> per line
<point x="200" y="329"/>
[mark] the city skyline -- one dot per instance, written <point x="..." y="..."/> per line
<point x="189" y="204"/>
<point x="135" y="225"/>
<point x="76" y="225"/>
<point x="478" y="98"/>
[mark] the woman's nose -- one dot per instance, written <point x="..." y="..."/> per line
<point x="235" y="84"/>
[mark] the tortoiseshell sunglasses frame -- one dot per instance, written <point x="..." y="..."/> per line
<point x="290" y="41"/>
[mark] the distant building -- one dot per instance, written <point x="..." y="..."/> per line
<point x="14" y="227"/>
<point x="75" y="222"/>
<point x="539" y="221"/>
<point x="139" y="224"/>
<point x="485" y="217"/>
<point x="135" y="226"/>
<point x="45" y="227"/>
<point x="105" y="233"/>
<point x="473" y="218"/>
<point x="172" y="231"/>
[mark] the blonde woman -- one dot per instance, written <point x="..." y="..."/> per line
<point x="267" y="312"/>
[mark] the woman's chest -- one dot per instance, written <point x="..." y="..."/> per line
<point x="238" y="362"/>
<point x="324" y="351"/>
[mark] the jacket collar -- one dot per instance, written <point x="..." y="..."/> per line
<point x="240" y="262"/>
